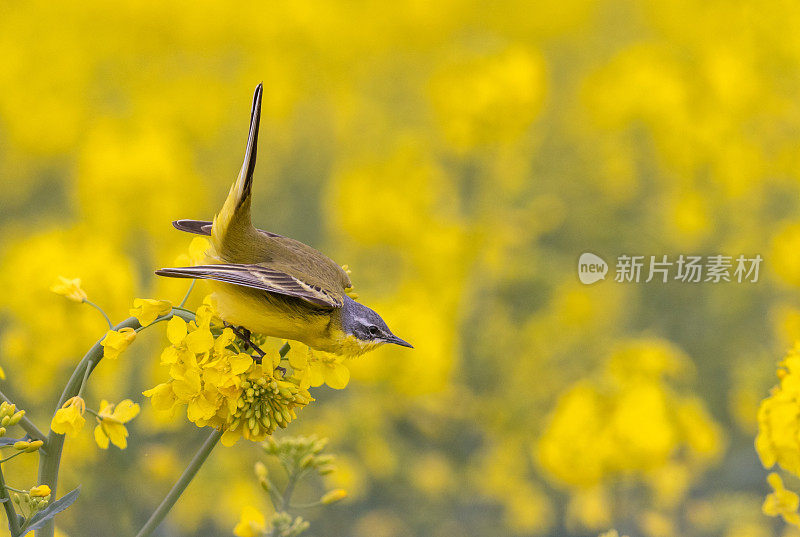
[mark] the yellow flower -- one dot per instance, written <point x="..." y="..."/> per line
<point x="147" y="310"/>
<point x="333" y="496"/>
<point x="221" y="386"/>
<point x="117" y="341"/>
<point x="188" y="387"/>
<point x="40" y="491"/>
<point x="315" y="369"/>
<point x="110" y="423"/>
<point x="70" y="289"/>
<point x="778" y="439"/>
<point x="162" y="396"/>
<point x="781" y="502"/>
<point x="197" y="253"/>
<point x="251" y="524"/>
<point x="69" y="418"/>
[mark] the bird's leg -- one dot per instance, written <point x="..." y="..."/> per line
<point x="244" y="334"/>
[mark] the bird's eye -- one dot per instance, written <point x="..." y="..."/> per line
<point x="373" y="330"/>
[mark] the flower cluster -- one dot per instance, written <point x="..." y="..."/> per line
<point x="221" y="385"/>
<point x="778" y="439"/>
<point x="299" y="456"/>
<point x="628" y="420"/>
<point x="111" y="420"/>
<point x="9" y="416"/>
<point x="781" y="502"/>
<point x="303" y="452"/>
<point x="32" y="501"/>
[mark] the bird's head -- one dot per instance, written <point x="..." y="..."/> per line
<point x="366" y="326"/>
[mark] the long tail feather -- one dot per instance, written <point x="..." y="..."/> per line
<point x="235" y="214"/>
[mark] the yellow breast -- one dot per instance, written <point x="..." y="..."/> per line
<point x="271" y="315"/>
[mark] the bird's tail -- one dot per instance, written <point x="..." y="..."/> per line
<point x="234" y="218"/>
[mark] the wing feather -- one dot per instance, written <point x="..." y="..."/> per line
<point x="259" y="277"/>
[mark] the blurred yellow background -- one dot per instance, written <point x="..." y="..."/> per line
<point x="459" y="157"/>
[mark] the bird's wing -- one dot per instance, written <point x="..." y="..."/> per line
<point x="203" y="227"/>
<point x="259" y="277"/>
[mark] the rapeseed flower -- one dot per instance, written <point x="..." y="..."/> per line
<point x="117" y="341"/>
<point x="333" y="496"/>
<point x="39" y="491"/>
<point x="781" y="501"/>
<point x="69" y="418"/>
<point x="251" y="524"/>
<point x="111" y="422"/>
<point x="318" y="368"/>
<point x="69" y="288"/>
<point x="197" y="253"/>
<point x="222" y="386"/>
<point x="778" y="439"/>
<point x="147" y="310"/>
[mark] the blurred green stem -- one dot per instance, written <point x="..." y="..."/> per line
<point x="13" y="521"/>
<point x="102" y="312"/>
<point x="50" y="460"/>
<point x="177" y="489"/>
<point x="287" y="493"/>
<point x="186" y="296"/>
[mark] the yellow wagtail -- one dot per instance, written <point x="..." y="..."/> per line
<point x="274" y="285"/>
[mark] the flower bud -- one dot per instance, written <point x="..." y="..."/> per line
<point x="261" y="470"/>
<point x="333" y="496"/>
<point x="16" y="417"/>
<point x="40" y="491"/>
<point x="34" y="446"/>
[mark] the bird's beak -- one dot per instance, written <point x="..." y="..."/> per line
<point x="397" y="341"/>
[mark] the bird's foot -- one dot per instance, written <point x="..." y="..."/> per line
<point x="244" y="334"/>
<point x="282" y="370"/>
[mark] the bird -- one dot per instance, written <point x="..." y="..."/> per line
<point x="273" y="285"/>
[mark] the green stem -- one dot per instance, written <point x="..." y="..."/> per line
<point x="186" y="296"/>
<point x="177" y="489"/>
<point x="289" y="490"/>
<point x="287" y="493"/>
<point x="17" y="454"/>
<point x="274" y="497"/>
<point x="305" y="505"/>
<point x="85" y="378"/>
<point x="102" y="312"/>
<point x="27" y="425"/>
<point x="11" y="514"/>
<point x="50" y="461"/>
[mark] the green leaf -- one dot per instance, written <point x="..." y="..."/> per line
<point x="38" y="520"/>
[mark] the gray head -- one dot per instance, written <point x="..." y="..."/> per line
<point x="366" y="325"/>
